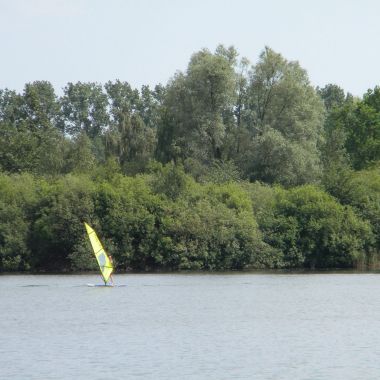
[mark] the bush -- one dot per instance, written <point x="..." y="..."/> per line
<point x="314" y="230"/>
<point x="58" y="223"/>
<point x="167" y="221"/>
<point x="17" y="200"/>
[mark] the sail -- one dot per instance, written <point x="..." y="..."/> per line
<point x="104" y="262"/>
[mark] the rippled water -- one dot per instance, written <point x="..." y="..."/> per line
<point x="223" y="326"/>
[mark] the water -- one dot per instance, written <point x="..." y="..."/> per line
<point x="223" y="326"/>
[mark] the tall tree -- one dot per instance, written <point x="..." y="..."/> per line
<point x="332" y="95"/>
<point x="84" y="106"/>
<point x="132" y="143"/>
<point x="123" y="100"/>
<point x="129" y="139"/>
<point x="40" y="105"/>
<point x="29" y="139"/>
<point x="150" y="101"/>
<point x="283" y="110"/>
<point x="10" y="107"/>
<point x="363" y="140"/>
<point x="195" y="108"/>
<point x="358" y="121"/>
<point x="80" y="157"/>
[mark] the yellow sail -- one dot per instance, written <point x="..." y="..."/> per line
<point x="104" y="262"/>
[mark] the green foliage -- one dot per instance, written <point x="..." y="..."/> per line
<point x="132" y="143"/>
<point x="196" y="227"/>
<point x="332" y="95"/>
<point x="30" y="140"/>
<point x="165" y="220"/>
<point x="107" y="171"/>
<point x="195" y="108"/>
<point x="276" y="159"/>
<point x="11" y="105"/>
<point x="131" y="137"/>
<point x="58" y="222"/>
<point x="221" y="172"/>
<point x="284" y="118"/>
<point x="40" y="105"/>
<point x="14" y="250"/>
<point x="211" y="227"/>
<point x="82" y="258"/>
<point x="363" y="136"/>
<point x="84" y="107"/>
<point x="336" y="161"/>
<point x="358" y="124"/>
<point x="123" y="100"/>
<point x="314" y="230"/>
<point x="127" y="207"/>
<point x="80" y="158"/>
<point x="17" y="200"/>
<point x="362" y="191"/>
<point x="306" y="227"/>
<point x="171" y="181"/>
<point x="212" y="127"/>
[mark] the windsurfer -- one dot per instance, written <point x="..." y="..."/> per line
<point x="111" y="261"/>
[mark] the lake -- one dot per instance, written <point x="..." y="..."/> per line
<point x="191" y="326"/>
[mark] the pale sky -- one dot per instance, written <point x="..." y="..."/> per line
<point x="146" y="42"/>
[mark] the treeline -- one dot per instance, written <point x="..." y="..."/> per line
<point x="230" y="165"/>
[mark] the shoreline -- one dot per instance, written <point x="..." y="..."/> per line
<point x="216" y="273"/>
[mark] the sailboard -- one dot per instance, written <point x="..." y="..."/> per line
<point x="105" y="264"/>
<point x="106" y="285"/>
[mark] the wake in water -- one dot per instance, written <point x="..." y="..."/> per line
<point x="33" y="286"/>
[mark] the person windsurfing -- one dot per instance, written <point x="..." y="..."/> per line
<point x="111" y="261"/>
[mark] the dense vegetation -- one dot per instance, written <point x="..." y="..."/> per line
<point x="228" y="166"/>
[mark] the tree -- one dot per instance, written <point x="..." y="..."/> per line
<point x="132" y="142"/>
<point x="17" y="148"/>
<point x="358" y="124"/>
<point x="362" y="192"/>
<point x="124" y="101"/>
<point x="273" y="158"/>
<point x="18" y="197"/>
<point x="332" y="95"/>
<point x="129" y="139"/>
<point x="195" y="108"/>
<point x="38" y="151"/>
<point x="171" y="181"/>
<point x="335" y="158"/>
<point x="149" y="104"/>
<point x="84" y="107"/>
<point x="80" y="158"/>
<point x="281" y="102"/>
<point x="49" y="152"/>
<point x="363" y="132"/>
<point x="31" y="140"/>
<point x="40" y="105"/>
<point x="10" y="107"/>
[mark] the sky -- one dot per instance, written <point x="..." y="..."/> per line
<point x="147" y="42"/>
